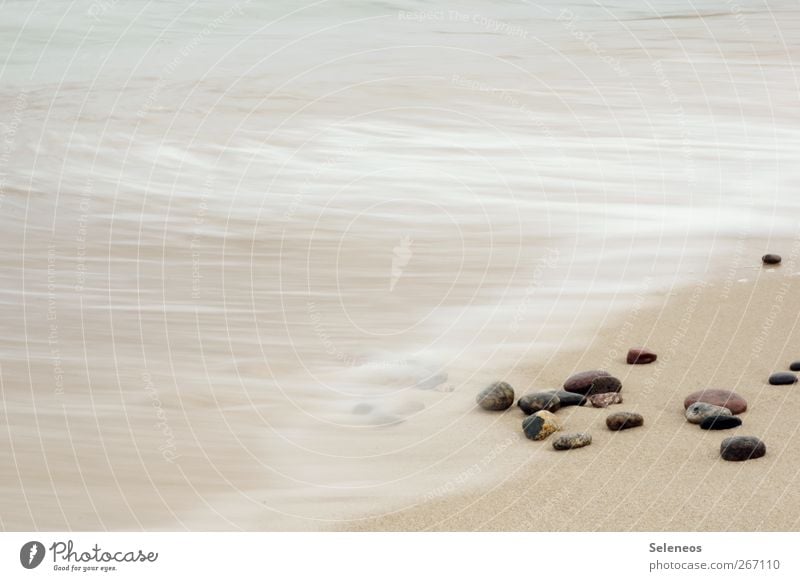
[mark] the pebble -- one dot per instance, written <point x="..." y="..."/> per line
<point x="641" y="356"/>
<point x="543" y="400"/>
<point x="540" y="425"/>
<point x="605" y="384"/>
<point x="567" y="399"/>
<point x="497" y="397"/>
<point x="721" y="397"/>
<point x="721" y="422"/>
<point x="697" y="412"/>
<point x="582" y="382"/>
<point x="740" y="448"/>
<point x="624" y="420"/>
<point x="782" y="378"/>
<point x="771" y="259"/>
<point x="572" y="441"/>
<point x="603" y="400"/>
<point x="795" y="366"/>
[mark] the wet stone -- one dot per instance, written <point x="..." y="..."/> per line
<point x="498" y="396"/>
<point x="605" y="384"/>
<point x="697" y="412"/>
<point x="572" y="441"/>
<point x="740" y="448"/>
<point x="771" y="259"/>
<point x="624" y="421"/>
<point x="543" y="400"/>
<point x="782" y="378"/>
<point x="795" y="366"/>
<point x="720" y="397"/>
<point x="720" y="422"/>
<point x="582" y="382"/>
<point x="567" y="399"/>
<point x="641" y="356"/>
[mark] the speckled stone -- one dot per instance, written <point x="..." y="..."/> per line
<point x="572" y="441"/>
<point x="540" y="425"/>
<point x="624" y="420"/>
<point x="782" y="378"/>
<point x="544" y="400"/>
<point x="603" y="400"/>
<point x="721" y="397"/>
<point x="697" y="412"/>
<point x="771" y="259"/>
<point x="740" y="448"/>
<point x="720" y="422"/>
<point x="641" y="356"/>
<point x="582" y="382"/>
<point x="497" y="397"/>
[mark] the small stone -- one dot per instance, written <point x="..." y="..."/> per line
<point x="795" y="366"/>
<point x="605" y="384"/>
<point x="641" y="356"/>
<point x="497" y="397"/>
<point x="534" y="402"/>
<point x="782" y="378"/>
<point x="739" y="448"/>
<point x="540" y="425"/>
<point x="720" y="422"/>
<point x="771" y="259"/>
<point x="582" y="382"/>
<point x="603" y="400"/>
<point x="567" y="399"/>
<point x="624" y="420"/>
<point x="572" y="441"/>
<point x="723" y="398"/>
<point x="697" y="412"/>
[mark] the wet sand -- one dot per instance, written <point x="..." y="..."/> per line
<point x="666" y="475"/>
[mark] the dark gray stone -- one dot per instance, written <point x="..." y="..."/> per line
<point x="721" y="422"/>
<point x="544" y="400"/>
<point x="782" y="378"/>
<point x="740" y="448"/>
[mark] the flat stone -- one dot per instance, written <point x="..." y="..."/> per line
<point x="771" y="259"/>
<point x="581" y="382"/>
<point x="544" y="400"/>
<point x="720" y="422"/>
<point x="605" y="384"/>
<point x="567" y="399"/>
<point x="720" y="397"/>
<point x="739" y="448"/>
<point x="497" y="397"/>
<point x="641" y="356"/>
<point x="540" y="425"/>
<point x="603" y="400"/>
<point x="795" y="366"/>
<point x="572" y="441"/>
<point x="782" y="378"/>
<point x="697" y="412"/>
<point x="624" y="420"/>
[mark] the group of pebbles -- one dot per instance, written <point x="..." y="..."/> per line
<point x="711" y="409"/>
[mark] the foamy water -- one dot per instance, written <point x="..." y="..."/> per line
<point x="243" y="241"/>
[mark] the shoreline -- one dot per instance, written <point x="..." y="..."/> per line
<point x="665" y="476"/>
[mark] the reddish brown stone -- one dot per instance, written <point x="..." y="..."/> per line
<point x="723" y="398"/>
<point x="582" y="382"/>
<point x="641" y="356"/>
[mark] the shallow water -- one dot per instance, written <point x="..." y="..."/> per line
<point x="243" y="241"/>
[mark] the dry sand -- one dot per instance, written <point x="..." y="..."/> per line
<point x="667" y="475"/>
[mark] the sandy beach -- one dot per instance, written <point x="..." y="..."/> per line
<point x="727" y="333"/>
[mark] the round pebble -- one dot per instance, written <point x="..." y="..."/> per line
<point x="720" y="422"/>
<point x="497" y="397"/>
<point x="572" y="441"/>
<point x="697" y="412"/>
<point x="795" y="366"/>
<point x="771" y="259"/>
<point x="721" y="397"/>
<point x="605" y="384"/>
<point x="740" y="448"/>
<point x="624" y="420"/>
<point x="641" y="356"/>
<point x="582" y="382"/>
<point x="540" y="425"/>
<point x="782" y="378"/>
<point x="534" y="402"/>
